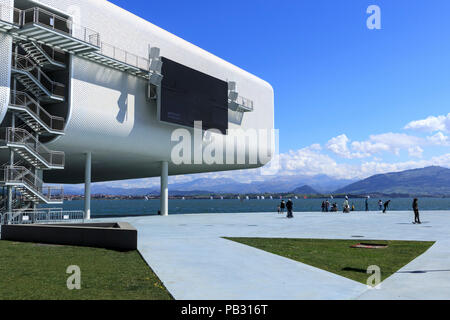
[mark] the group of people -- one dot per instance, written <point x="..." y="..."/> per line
<point x="289" y="206"/>
<point x="334" y="207"/>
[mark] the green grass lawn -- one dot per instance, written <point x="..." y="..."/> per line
<point x="34" y="271"/>
<point x="336" y="255"/>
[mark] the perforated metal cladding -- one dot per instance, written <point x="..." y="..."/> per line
<point x="5" y="62"/>
<point x="109" y="113"/>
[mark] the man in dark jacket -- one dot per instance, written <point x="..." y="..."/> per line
<point x="289" y="207"/>
<point x="415" y="206"/>
<point x="386" y="205"/>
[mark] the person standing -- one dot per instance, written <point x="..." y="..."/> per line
<point x="289" y="207"/>
<point x="282" y="206"/>
<point x="386" y="206"/>
<point x="415" y="206"/>
<point x="327" y="206"/>
<point x="367" y="203"/>
<point x="380" y="204"/>
<point x="323" y="206"/>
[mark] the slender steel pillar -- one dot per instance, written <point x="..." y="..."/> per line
<point x="164" y="197"/>
<point x="11" y="164"/>
<point x="87" y="185"/>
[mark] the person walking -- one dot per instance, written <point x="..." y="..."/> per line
<point x="282" y="206"/>
<point x="386" y="206"/>
<point x="346" y="206"/>
<point x="415" y="206"/>
<point x="289" y="207"/>
<point x="367" y="203"/>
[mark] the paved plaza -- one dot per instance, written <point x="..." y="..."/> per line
<point x="190" y="256"/>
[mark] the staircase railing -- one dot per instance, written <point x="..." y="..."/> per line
<point x="52" y="53"/>
<point x="24" y="100"/>
<point x="25" y="63"/>
<point x="15" y="175"/>
<point x="20" y="136"/>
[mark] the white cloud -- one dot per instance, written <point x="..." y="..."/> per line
<point x="439" y="139"/>
<point x="306" y="161"/>
<point x="339" y="146"/>
<point x="431" y="124"/>
<point x="386" y="142"/>
<point x="415" y="152"/>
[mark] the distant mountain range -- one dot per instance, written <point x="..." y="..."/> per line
<point x="426" y="181"/>
<point x="282" y="184"/>
<point x="305" y="190"/>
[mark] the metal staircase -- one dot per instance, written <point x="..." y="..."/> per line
<point x="30" y="186"/>
<point x="32" y="90"/>
<point x="34" y="115"/>
<point x="30" y="149"/>
<point x="44" y="56"/>
<point x="30" y="75"/>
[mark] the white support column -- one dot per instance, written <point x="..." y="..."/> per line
<point x="164" y="196"/>
<point x="87" y="185"/>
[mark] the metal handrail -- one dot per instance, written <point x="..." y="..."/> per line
<point x="25" y="63"/>
<point x="56" y="55"/>
<point x="13" y="174"/>
<point x="50" y="20"/>
<point x="245" y="103"/>
<point x="22" y="99"/>
<point x="20" y="136"/>
<point x="41" y="216"/>
<point x="124" y="56"/>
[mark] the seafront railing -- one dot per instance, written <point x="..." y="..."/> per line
<point x="40" y="216"/>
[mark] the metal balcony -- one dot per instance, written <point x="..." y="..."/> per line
<point x="120" y="59"/>
<point x="50" y="29"/>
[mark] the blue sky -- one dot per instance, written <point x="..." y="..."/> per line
<point x="350" y="95"/>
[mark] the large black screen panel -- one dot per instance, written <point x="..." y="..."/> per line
<point x="188" y="95"/>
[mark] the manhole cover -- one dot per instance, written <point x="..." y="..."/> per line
<point x="370" y="246"/>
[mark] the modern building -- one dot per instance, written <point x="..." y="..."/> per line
<point x="90" y="92"/>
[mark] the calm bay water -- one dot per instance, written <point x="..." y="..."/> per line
<point x="105" y="208"/>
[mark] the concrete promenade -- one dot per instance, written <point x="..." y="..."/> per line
<point x="190" y="256"/>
